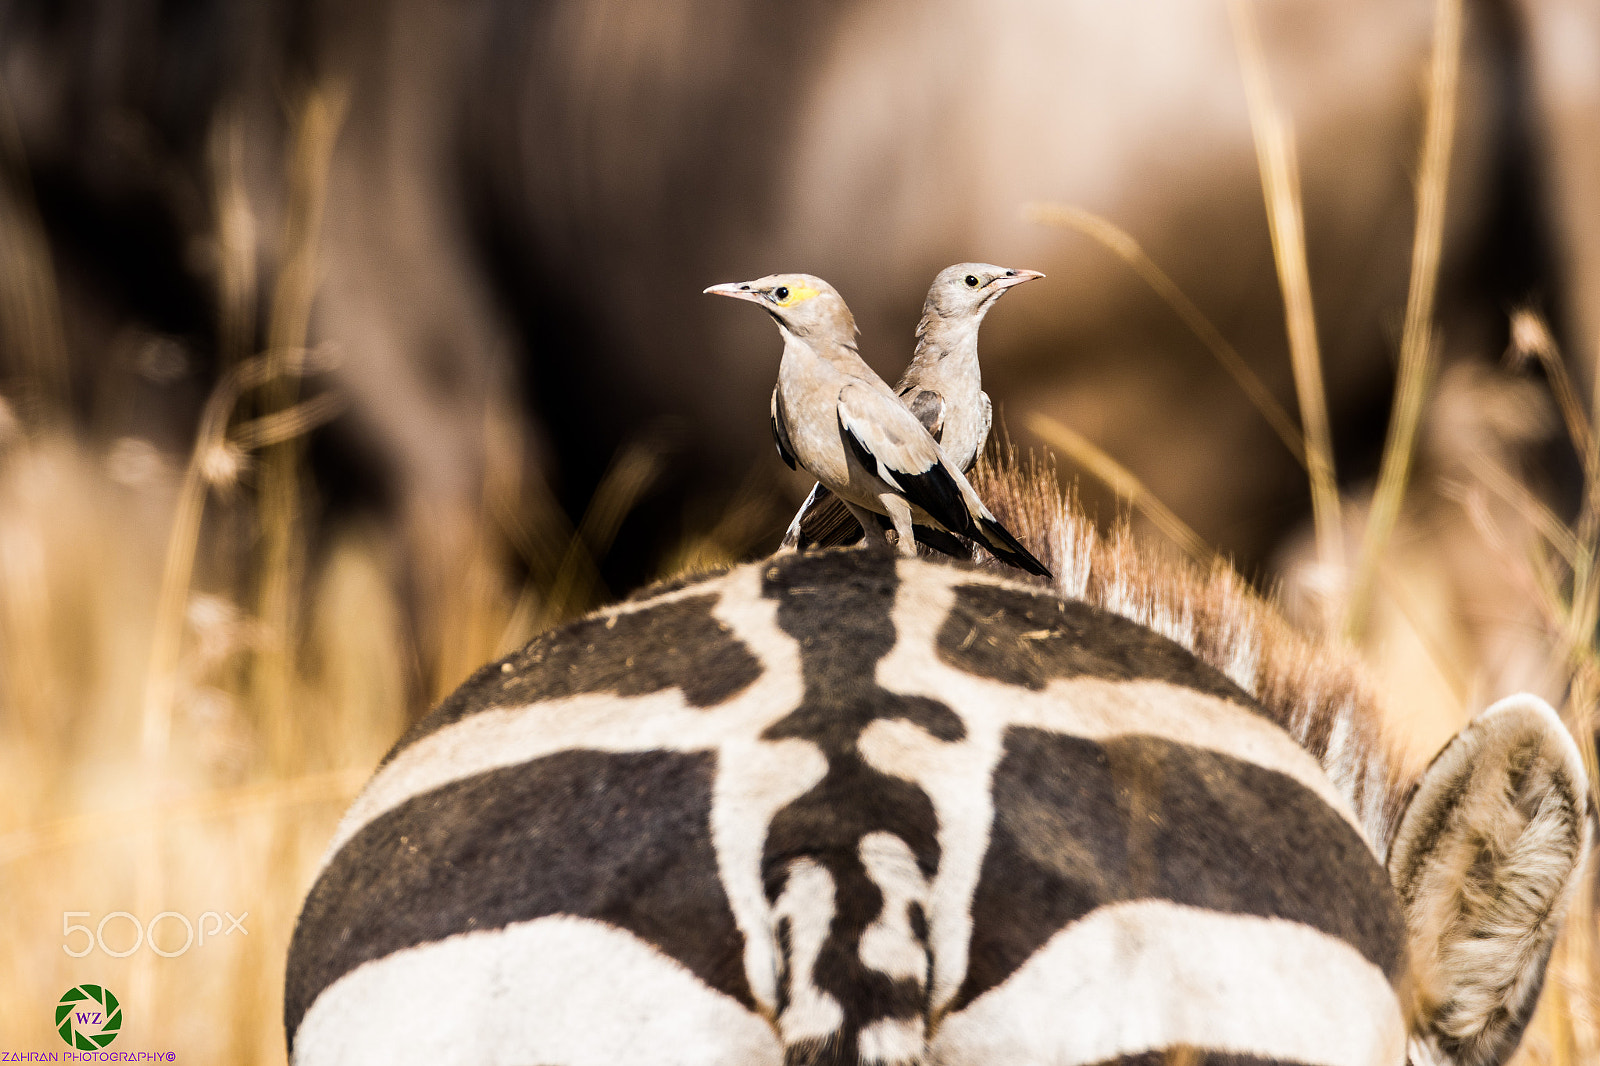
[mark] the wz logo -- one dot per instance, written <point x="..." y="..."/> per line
<point x="88" y="1017"/>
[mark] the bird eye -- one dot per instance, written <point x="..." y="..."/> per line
<point x="972" y="280"/>
<point x="781" y="293"/>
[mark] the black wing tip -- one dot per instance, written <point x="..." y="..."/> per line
<point x="935" y="491"/>
<point x="780" y="434"/>
<point x="858" y="448"/>
<point x="1003" y="545"/>
<point x="942" y="542"/>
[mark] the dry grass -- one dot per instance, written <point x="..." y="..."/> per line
<point x="1084" y="454"/>
<point x="1417" y="342"/>
<point x="1122" y="244"/>
<point x="1556" y="561"/>
<point x="186" y="704"/>
<point x="1280" y="182"/>
<point x="1561" y="573"/>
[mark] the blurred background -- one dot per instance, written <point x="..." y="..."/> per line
<point x="345" y="346"/>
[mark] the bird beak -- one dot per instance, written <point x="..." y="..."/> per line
<point x="739" y="290"/>
<point x="1016" y="277"/>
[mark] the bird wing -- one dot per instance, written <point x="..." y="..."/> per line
<point x="986" y="410"/>
<point x="892" y="445"/>
<point x="780" y="432"/>
<point x="928" y="406"/>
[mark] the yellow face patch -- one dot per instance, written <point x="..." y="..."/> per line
<point x="796" y="294"/>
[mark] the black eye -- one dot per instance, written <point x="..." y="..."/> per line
<point x="781" y="293"/>
<point x="972" y="280"/>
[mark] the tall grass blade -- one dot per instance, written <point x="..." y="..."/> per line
<point x="1418" y="344"/>
<point x="31" y="332"/>
<point x="1121" y="243"/>
<point x="310" y="157"/>
<point x="236" y="239"/>
<point x="638" y="463"/>
<point x="1280" y="183"/>
<point x="1122" y="481"/>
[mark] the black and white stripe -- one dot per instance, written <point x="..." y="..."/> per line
<point x="839" y="808"/>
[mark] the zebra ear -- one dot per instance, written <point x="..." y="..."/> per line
<point x="1483" y="863"/>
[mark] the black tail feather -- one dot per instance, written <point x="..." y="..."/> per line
<point x="1003" y="545"/>
<point x="941" y="541"/>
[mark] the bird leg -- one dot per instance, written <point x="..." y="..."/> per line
<point x="875" y="537"/>
<point x="900" y="515"/>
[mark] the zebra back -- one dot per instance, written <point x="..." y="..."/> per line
<point x="839" y="808"/>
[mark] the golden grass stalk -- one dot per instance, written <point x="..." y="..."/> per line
<point x="634" y="469"/>
<point x="184" y="537"/>
<point x="743" y="522"/>
<point x="1559" y="572"/>
<point x="235" y="239"/>
<point x="269" y="430"/>
<point x="30" y="314"/>
<point x="1086" y="454"/>
<point x="311" y="153"/>
<point x="1280" y="183"/>
<point x="1533" y="510"/>
<point x="1579" y="611"/>
<point x="1417" y="341"/>
<point x="1122" y="244"/>
<point x="262" y="796"/>
<point x="1531" y="339"/>
<point x="183" y="541"/>
<point x="542" y="545"/>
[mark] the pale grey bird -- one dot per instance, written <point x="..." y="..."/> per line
<point x="943" y="387"/>
<point x="833" y="415"/>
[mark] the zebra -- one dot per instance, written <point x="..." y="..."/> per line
<point x="839" y="808"/>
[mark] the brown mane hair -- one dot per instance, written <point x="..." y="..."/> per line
<point x="1314" y="689"/>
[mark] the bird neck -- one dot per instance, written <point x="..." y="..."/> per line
<point x="947" y="342"/>
<point x="805" y="357"/>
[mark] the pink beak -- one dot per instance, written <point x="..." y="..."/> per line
<point x="1006" y="281"/>
<point x="739" y="290"/>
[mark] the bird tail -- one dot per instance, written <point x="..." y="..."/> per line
<point x="823" y="521"/>
<point x="1000" y="543"/>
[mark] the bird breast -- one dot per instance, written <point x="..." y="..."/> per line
<point x="808" y="395"/>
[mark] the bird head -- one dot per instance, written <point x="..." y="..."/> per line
<point x="803" y="304"/>
<point x="970" y="289"/>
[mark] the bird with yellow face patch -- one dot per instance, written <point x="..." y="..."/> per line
<point x="834" y="416"/>
<point x="943" y="387"/>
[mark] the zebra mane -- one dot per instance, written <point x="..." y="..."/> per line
<point x="1316" y="690"/>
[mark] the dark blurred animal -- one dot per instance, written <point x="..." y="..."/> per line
<point x="508" y="169"/>
<point x="836" y="808"/>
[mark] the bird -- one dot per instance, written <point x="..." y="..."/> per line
<point x="943" y="387"/>
<point x="834" y="416"/>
